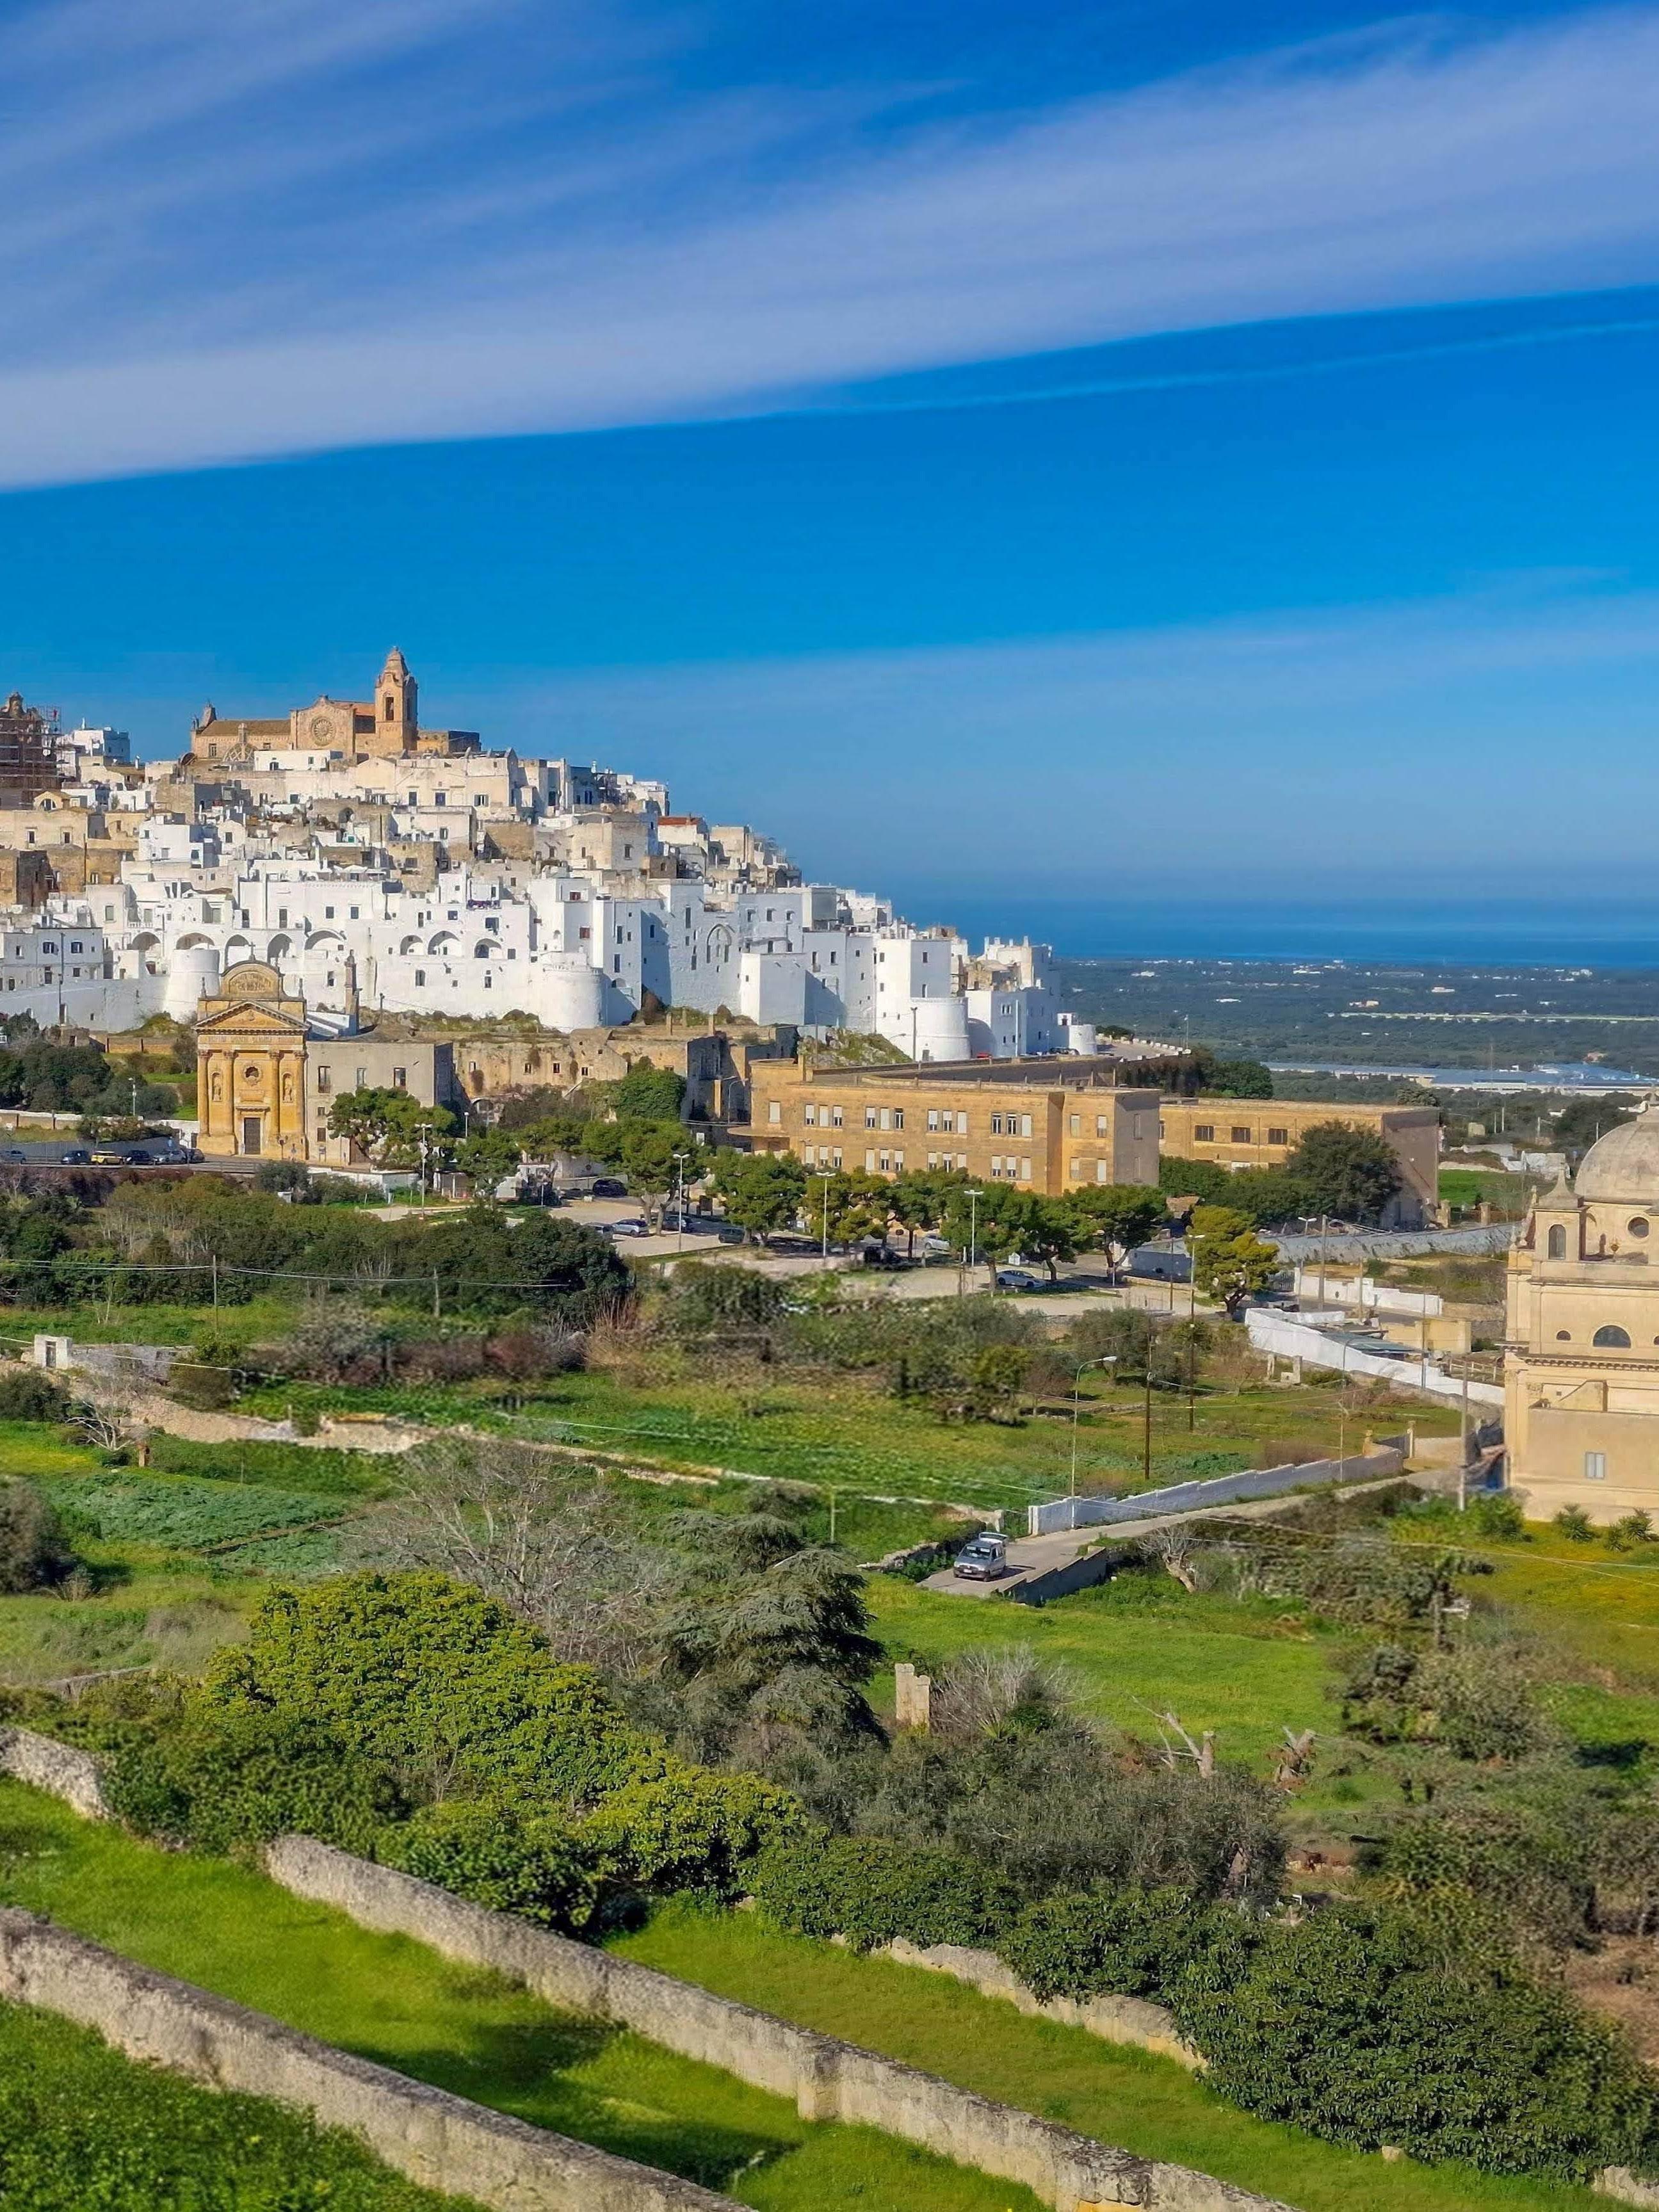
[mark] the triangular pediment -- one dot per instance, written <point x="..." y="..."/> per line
<point x="246" y="1020"/>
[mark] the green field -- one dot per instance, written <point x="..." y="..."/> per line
<point x="843" y="1432"/>
<point x="1131" y="1648"/>
<point x="1111" y="2091"/>
<point x="230" y="1930"/>
<point x="163" y="2144"/>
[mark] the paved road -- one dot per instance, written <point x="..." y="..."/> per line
<point x="1030" y="1556"/>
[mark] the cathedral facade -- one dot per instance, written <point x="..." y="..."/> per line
<point x="1581" y="1414"/>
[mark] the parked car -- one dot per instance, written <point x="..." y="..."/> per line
<point x="983" y="1558"/>
<point x="1019" y="1279"/>
<point x="881" y="1256"/>
<point x="626" y="1228"/>
<point x="935" y="1247"/>
<point x="15" y="1153"/>
<point x="109" y="1155"/>
<point x="77" y="1157"/>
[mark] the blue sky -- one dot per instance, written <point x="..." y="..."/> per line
<point x="1019" y="454"/>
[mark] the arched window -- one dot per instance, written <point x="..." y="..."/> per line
<point x="1558" y="1243"/>
<point x="1564" y="1336"/>
<point x="1611" y="1338"/>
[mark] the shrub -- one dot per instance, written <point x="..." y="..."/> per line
<point x="33" y="1551"/>
<point x="1134" y="1942"/>
<point x="685" y="1827"/>
<point x="497" y="1854"/>
<point x="217" y="1780"/>
<point x="1574" y="1523"/>
<point x="1349" y="2025"/>
<point x="1498" y="1515"/>
<point x="433" y="1679"/>
<point x="872" y="1891"/>
<point x="27" y="1395"/>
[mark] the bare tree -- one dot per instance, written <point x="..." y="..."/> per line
<point x="1173" y="1550"/>
<point x="1291" y="1763"/>
<point x="552" y="1542"/>
<point x="980" y="1691"/>
<point x="108" y="1419"/>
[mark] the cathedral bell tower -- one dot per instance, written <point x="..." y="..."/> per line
<point x="397" y="722"/>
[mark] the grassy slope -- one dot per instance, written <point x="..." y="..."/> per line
<point x="1121" y="2095"/>
<point x="1131" y="1651"/>
<point x="847" y="1433"/>
<point x="230" y="1930"/>
<point x="164" y="2144"/>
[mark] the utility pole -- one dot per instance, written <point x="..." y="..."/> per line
<point x="1110" y="1360"/>
<point x="832" y="1517"/>
<point x="973" y="1197"/>
<point x="1146" y="1422"/>
<point x="215" y="1256"/>
<point x="437" y="1302"/>
<point x="679" y="1161"/>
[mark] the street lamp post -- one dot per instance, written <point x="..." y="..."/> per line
<point x="973" y="1198"/>
<point x="1108" y="1360"/>
<point x="680" y="1159"/>
<point x="826" y="1177"/>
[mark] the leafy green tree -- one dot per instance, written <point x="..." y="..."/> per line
<point x="1050" y="1234"/>
<point x="488" y="1155"/>
<point x="1199" y="1179"/>
<point x="1582" y="1120"/>
<point x="646" y="1094"/>
<point x="481" y="1263"/>
<point x="762" y="1191"/>
<point x="1231" y="1262"/>
<point x="389" y="1125"/>
<point x="1346" y="1170"/>
<point x="997" y="1374"/>
<point x="920" y="1197"/>
<point x="1239" y="1079"/>
<point x="855" y="1206"/>
<point x="1116" y="1216"/>
<point x="647" y="1157"/>
<point x="1269" y="1196"/>
<point x="990" y="1227"/>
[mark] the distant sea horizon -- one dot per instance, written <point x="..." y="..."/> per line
<point x="1465" y="933"/>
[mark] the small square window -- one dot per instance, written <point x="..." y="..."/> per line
<point x="1278" y="1136"/>
<point x="1203" y="1134"/>
<point x="1595" y="1467"/>
<point x="400" y="1079"/>
<point x="1239" y="1135"/>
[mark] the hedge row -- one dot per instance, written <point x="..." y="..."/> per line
<point x="1348" y="2023"/>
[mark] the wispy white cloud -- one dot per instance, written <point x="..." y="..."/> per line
<point x="291" y="225"/>
<point x="1306" y="749"/>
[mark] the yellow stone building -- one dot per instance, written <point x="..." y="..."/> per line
<point x="251" y="1067"/>
<point x="1581" y="1410"/>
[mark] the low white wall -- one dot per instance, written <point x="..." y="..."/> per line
<point x="1064" y="1513"/>
<point x="1274" y="1332"/>
<point x="1113" y="2018"/>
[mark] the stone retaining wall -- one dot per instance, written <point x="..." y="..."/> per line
<point x="58" y="1768"/>
<point x="1116" y="2020"/>
<point x="828" y="2080"/>
<point x="440" y="2140"/>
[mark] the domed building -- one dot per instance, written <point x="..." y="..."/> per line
<point x="1580" y="1412"/>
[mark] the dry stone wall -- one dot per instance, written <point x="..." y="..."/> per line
<point x="828" y="2080"/>
<point x="58" y="1768"/>
<point x="1116" y="2020"/>
<point x="443" y="2142"/>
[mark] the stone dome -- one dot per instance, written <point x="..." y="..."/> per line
<point x="1622" y="1167"/>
